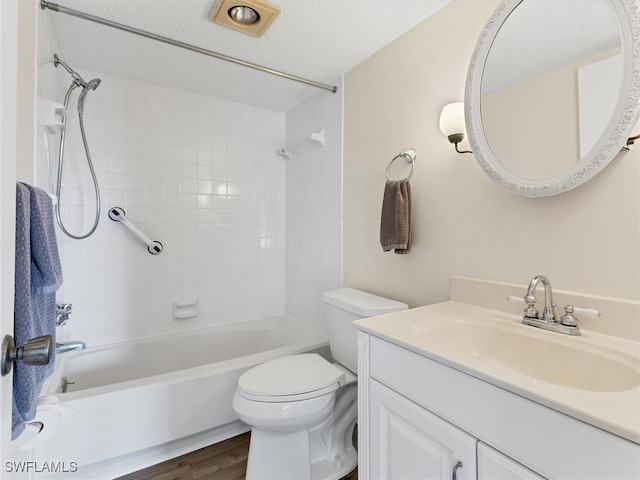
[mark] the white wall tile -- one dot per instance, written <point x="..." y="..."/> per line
<point x="313" y="223"/>
<point x="170" y="176"/>
<point x="242" y="228"/>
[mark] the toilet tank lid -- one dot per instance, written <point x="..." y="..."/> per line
<point x="362" y="303"/>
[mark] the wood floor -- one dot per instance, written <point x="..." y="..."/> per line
<point x="223" y="461"/>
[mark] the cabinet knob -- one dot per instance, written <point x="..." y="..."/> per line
<point x="454" y="475"/>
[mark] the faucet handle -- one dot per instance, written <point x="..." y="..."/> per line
<point x="64" y="307"/>
<point x="63" y="310"/>
<point x="530" y="311"/>
<point x="568" y="319"/>
<point x="587" y="312"/>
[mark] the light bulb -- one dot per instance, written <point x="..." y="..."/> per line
<point x="452" y="119"/>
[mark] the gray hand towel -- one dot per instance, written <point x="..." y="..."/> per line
<point x="37" y="277"/>
<point x="395" y="223"/>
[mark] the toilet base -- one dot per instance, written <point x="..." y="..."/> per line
<point x="267" y="460"/>
<point x="334" y="469"/>
<point x="278" y="455"/>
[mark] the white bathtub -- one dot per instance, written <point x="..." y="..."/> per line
<point x="134" y="397"/>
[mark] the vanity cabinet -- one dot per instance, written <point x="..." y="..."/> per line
<point x="492" y="465"/>
<point x="419" y="416"/>
<point x="409" y="442"/>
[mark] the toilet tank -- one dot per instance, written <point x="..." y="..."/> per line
<point x="345" y="305"/>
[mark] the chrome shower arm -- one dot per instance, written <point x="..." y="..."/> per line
<point x="77" y="79"/>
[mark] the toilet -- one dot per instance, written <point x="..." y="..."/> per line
<point x="302" y="409"/>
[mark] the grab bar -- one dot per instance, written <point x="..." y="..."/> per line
<point x="117" y="214"/>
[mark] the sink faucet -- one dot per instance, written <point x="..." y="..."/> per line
<point x="69" y="346"/>
<point x="548" y="314"/>
<point x="567" y="324"/>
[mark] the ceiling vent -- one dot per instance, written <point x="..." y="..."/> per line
<point x="249" y="16"/>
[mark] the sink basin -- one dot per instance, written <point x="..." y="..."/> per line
<point x="541" y="356"/>
<point x="594" y="378"/>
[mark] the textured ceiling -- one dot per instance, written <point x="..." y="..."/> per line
<point x="316" y="39"/>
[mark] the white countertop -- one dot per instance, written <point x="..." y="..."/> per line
<point x="617" y="412"/>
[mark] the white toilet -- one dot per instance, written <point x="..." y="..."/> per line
<point x="302" y="409"/>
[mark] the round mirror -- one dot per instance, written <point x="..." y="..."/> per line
<point x="552" y="92"/>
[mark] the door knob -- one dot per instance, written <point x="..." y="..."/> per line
<point x="35" y="351"/>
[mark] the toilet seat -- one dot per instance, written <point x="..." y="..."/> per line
<point x="291" y="379"/>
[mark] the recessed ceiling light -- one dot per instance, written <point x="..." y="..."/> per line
<point x="244" y="15"/>
<point x="248" y="16"/>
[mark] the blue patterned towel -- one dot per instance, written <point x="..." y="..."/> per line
<point x="46" y="272"/>
<point x="38" y="275"/>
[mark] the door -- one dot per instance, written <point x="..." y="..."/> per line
<point x="493" y="465"/>
<point x="409" y="442"/>
<point x="8" y="109"/>
<point x="17" y="131"/>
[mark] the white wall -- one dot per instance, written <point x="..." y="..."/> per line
<point x="314" y="207"/>
<point x="27" y="19"/>
<point x="199" y="174"/>
<point x="586" y="240"/>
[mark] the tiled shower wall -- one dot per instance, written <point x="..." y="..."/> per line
<point x="200" y="175"/>
<point x="314" y="207"/>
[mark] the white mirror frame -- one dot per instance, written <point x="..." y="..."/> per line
<point x="608" y="145"/>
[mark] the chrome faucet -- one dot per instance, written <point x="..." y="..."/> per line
<point x="69" y="346"/>
<point x="567" y="324"/>
<point x="549" y="313"/>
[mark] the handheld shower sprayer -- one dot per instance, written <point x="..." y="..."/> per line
<point x="78" y="81"/>
<point x="91" y="85"/>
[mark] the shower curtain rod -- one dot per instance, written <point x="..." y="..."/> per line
<point x="103" y="21"/>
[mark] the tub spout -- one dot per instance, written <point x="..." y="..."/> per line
<point x="69" y="346"/>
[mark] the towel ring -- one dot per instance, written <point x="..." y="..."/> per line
<point x="409" y="156"/>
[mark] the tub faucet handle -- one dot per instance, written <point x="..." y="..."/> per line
<point x="63" y="310"/>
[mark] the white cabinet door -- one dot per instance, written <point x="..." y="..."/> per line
<point x="409" y="442"/>
<point x="493" y="465"/>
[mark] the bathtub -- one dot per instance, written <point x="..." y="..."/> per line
<point x="122" y="401"/>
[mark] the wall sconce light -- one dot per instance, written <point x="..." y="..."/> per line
<point x="452" y="124"/>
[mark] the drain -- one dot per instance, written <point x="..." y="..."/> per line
<point x="65" y="384"/>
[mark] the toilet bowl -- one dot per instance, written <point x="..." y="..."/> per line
<point x="292" y="420"/>
<point x="302" y="409"/>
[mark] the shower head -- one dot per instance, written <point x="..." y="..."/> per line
<point x="90" y="85"/>
<point x="93" y="84"/>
